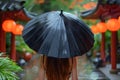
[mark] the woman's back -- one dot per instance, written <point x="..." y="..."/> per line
<point x="57" y="68"/>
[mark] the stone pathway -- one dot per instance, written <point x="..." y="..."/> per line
<point x="106" y="71"/>
<point x="86" y="70"/>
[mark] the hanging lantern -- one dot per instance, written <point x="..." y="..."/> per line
<point x="102" y="27"/>
<point x="8" y="25"/>
<point x="89" y="5"/>
<point x="40" y="1"/>
<point x="80" y="0"/>
<point x="18" y="29"/>
<point x="113" y="25"/>
<point x="72" y="5"/>
<point x="94" y="29"/>
<point x="27" y="56"/>
<point x="119" y="19"/>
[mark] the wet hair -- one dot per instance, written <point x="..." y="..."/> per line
<point x="57" y="68"/>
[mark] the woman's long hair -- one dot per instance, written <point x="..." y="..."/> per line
<point x="57" y="68"/>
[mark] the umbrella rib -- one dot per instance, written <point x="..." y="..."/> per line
<point x="52" y="28"/>
<point x="68" y="29"/>
<point x="86" y="30"/>
<point x="64" y="42"/>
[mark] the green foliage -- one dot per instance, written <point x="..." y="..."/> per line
<point x="48" y="5"/>
<point x="8" y="42"/>
<point x="8" y="69"/>
<point x="21" y="46"/>
<point x="62" y="5"/>
<point x="29" y="4"/>
<point x="119" y="36"/>
<point x="97" y="42"/>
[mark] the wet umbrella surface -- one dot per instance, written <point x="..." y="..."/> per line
<point x="58" y="34"/>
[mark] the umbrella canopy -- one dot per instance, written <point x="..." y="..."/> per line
<point x="58" y="34"/>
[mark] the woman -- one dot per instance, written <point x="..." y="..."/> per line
<point x="58" y="68"/>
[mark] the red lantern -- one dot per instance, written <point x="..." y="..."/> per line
<point x="27" y="56"/>
<point x="94" y="29"/>
<point x="40" y="1"/>
<point x="102" y="27"/>
<point x="8" y="25"/>
<point x="18" y="29"/>
<point x="113" y="24"/>
<point x="119" y="20"/>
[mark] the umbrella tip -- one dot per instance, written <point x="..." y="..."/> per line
<point x="61" y="12"/>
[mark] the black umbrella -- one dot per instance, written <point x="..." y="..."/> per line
<point x="58" y="34"/>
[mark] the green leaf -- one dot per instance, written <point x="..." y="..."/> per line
<point x="8" y="69"/>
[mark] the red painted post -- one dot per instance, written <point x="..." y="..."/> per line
<point x="2" y="40"/>
<point x="113" y="52"/>
<point x="103" y="48"/>
<point x="13" y="47"/>
<point x="103" y="54"/>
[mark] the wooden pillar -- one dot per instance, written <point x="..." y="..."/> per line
<point x="103" y="56"/>
<point x="13" y="48"/>
<point x="102" y="49"/>
<point x="113" y="52"/>
<point x="2" y="40"/>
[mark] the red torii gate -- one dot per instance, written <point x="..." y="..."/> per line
<point x="11" y="9"/>
<point x="105" y="10"/>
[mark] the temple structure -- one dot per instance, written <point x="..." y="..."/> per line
<point x="12" y="9"/>
<point x="104" y="10"/>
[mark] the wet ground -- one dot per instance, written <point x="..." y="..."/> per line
<point x="86" y="70"/>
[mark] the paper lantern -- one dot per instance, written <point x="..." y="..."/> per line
<point x="40" y="1"/>
<point x="8" y="25"/>
<point x="102" y="27"/>
<point x="18" y="29"/>
<point x="113" y="25"/>
<point x="80" y="0"/>
<point x="119" y="19"/>
<point x="72" y="5"/>
<point x="27" y="56"/>
<point x="89" y="5"/>
<point x="94" y="29"/>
